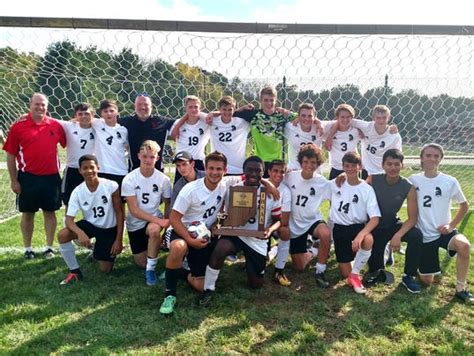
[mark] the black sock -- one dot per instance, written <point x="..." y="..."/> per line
<point x="171" y="281"/>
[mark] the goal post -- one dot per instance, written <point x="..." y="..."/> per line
<point x="425" y="74"/>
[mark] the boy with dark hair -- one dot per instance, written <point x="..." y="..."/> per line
<point x="254" y="249"/>
<point x="351" y="204"/>
<point x="99" y="201"/>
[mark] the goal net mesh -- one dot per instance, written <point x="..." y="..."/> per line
<point x="427" y="81"/>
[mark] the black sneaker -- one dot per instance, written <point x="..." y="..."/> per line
<point x="29" y="255"/>
<point x="206" y="298"/>
<point x="374" y="278"/>
<point x="321" y="280"/>
<point x="465" y="296"/>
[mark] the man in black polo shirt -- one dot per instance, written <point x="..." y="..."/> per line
<point x="142" y="125"/>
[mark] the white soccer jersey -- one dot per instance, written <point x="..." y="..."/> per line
<point x="79" y="142"/>
<point x="306" y="198"/>
<point x="296" y="138"/>
<point x="149" y="191"/>
<point x="97" y="207"/>
<point x="272" y="210"/>
<point x="343" y="142"/>
<point x="434" y="197"/>
<point x="285" y="197"/>
<point x="193" y="139"/>
<point x="375" y="145"/>
<point x="197" y="203"/>
<point x="111" y="147"/>
<point x="352" y="204"/>
<point x="231" y="140"/>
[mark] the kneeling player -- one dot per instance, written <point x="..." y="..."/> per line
<point x="99" y="201"/>
<point x="308" y="191"/>
<point x="435" y="192"/>
<point x="144" y="189"/>
<point x="199" y="201"/>
<point x="254" y="249"/>
<point x="350" y="205"/>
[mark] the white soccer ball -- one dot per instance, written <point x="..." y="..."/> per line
<point x="199" y="231"/>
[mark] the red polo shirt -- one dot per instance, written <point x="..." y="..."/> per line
<point x="35" y="145"/>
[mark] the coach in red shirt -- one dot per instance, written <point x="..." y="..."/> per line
<point x="32" y="144"/>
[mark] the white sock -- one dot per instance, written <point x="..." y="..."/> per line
<point x="314" y="251"/>
<point x="361" y="258"/>
<point x="151" y="263"/>
<point x="28" y="249"/>
<point x="320" y="267"/>
<point x="68" y="252"/>
<point x="211" y="278"/>
<point x="282" y="254"/>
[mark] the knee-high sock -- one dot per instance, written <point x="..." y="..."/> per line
<point x="361" y="258"/>
<point x="282" y="254"/>
<point x="68" y="252"/>
<point x="210" y="278"/>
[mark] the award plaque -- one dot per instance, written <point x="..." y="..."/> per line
<point x="242" y="207"/>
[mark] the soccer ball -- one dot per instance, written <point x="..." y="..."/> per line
<point x="199" y="231"/>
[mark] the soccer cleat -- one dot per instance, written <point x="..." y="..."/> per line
<point x="280" y="278"/>
<point x="232" y="258"/>
<point x="29" y="255"/>
<point x="374" y="278"/>
<point x="167" y="307"/>
<point x="354" y="281"/>
<point x="48" y="254"/>
<point x="321" y="280"/>
<point x="465" y="296"/>
<point x="205" y="298"/>
<point x="71" y="278"/>
<point x="150" y="278"/>
<point x="411" y="284"/>
<point x="388" y="256"/>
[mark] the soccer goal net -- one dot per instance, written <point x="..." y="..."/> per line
<point x="424" y="74"/>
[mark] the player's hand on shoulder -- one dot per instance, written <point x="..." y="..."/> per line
<point x="340" y="179"/>
<point x="393" y="129"/>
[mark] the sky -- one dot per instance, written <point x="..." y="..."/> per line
<point x="435" y="12"/>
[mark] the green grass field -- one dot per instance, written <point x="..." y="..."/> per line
<point x="117" y="313"/>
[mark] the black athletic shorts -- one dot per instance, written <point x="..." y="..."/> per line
<point x="71" y="179"/>
<point x="39" y="192"/>
<point x="429" y="261"/>
<point x="299" y="244"/>
<point x="197" y="259"/>
<point x="334" y="173"/>
<point x="255" y="263"/>
<point x="138" y="240"/>
<point x="104" y="239"/>
<point x="343" y="235"/>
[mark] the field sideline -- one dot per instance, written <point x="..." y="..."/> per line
<point x="117" y="313"/>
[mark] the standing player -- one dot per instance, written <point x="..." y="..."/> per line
<point x="229" y="135"/>
<point x="99" y="201"/>
<point x="276" y="174"/>
<point x="144" y="189"/>
<point x="351" y="204"/>
<point x="435" y="191"/>
<point x="80" y="139"/>
<point x="308" y="191"/>
<point x="304" y="132"/>
<point x="200" y="201"/>
<point x="111" y="143"/>
<point x="345" y="139"/>
<point x="191" y="133"/>
<point x="142" y="126"/>
<point x="32" y="144"/>
<point x="254" y="249"/>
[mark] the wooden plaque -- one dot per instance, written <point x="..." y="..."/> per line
<point x="242" y="207"/>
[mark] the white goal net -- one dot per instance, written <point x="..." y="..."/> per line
<point x="426" y="79"/>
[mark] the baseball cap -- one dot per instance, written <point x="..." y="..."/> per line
<point x="182" y="156"/>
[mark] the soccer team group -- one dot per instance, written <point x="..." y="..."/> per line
<point x="114" y="166"/>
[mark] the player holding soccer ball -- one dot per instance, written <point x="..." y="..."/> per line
<point x="199" y="200"/>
